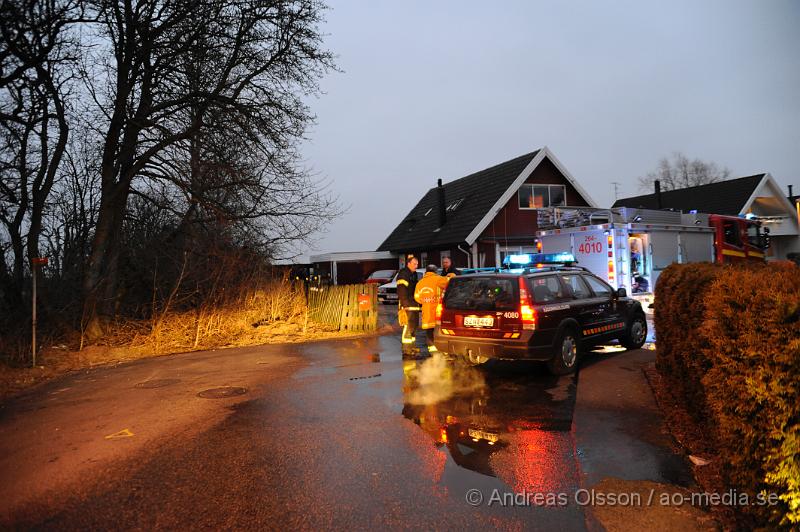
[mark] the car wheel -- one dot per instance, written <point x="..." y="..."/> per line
<point x="565" y="360"/>
<point x="636" y="334"/>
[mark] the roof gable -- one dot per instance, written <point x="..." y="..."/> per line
<point x="481" y="195"/>
<point x="723" y="197"/>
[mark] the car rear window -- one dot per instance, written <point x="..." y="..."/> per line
<point x="382" y="274"/>
<point x="481" y="293"/>
<point x="546" y="289"/>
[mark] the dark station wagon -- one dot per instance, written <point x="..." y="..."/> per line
<point x="546" y="313"/>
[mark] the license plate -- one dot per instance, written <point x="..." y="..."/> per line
<point x="390" y="296"/>
<point x="475" y="321"/>
<point x="481" y="435"/>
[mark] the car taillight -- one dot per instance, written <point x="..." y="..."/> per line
<point x="526" y="312"/>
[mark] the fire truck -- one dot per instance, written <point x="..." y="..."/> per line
<point x="630" y="247"/>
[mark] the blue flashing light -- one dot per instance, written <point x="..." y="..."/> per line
<point x="518" y="259"/>
<point x="539" y="258"/>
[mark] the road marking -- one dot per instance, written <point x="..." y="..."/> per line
<point x="124" y="433"/>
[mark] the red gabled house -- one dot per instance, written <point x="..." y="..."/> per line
<point x="479" y="219"/>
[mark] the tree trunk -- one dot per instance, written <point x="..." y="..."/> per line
<point x="100" y="280"/>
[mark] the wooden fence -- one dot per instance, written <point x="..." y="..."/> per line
<point x="352" y="307"/>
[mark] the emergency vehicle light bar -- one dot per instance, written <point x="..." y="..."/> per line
<point x="539" y="258"/>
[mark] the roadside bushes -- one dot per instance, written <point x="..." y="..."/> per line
<point x="729" y="345"/>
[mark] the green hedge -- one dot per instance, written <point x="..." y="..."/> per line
<point x="729" y="344"/>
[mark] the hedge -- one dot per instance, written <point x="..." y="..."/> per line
<point x="729" y="345"/>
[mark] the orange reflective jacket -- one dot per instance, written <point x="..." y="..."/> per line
<point x="428" y="293"/>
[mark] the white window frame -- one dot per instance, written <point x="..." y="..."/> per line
<point x="504" y="251"/>
<point x="548" y="185"/>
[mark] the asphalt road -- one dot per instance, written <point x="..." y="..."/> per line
<point x="337" y="434"/>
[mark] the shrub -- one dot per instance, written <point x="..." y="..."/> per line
<point x="729" y="342"/>
<point x="678" y="316"/>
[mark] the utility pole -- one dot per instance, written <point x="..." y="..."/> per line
<point x="616" y="190"/>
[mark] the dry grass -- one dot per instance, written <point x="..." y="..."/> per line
<point x="266" y="312"/>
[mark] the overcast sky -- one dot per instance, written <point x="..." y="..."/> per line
<point x="444" y="89"/>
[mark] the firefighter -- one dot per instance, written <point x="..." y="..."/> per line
<point x="429" y="294"/>
<point x="448" y="268"/>
<point x="408" y="311"/>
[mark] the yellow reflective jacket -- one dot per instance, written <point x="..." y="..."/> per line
<point x="428" y="293"/>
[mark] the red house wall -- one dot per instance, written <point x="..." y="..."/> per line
<point x="512" y="221"/>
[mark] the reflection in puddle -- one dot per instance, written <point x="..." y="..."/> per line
<point x="436" y="380"/>
<point x="513" y="426"/>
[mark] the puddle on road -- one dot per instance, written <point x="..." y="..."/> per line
<point x="509" y="425"/>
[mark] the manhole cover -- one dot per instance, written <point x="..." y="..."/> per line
<point x="157" y="383"/>
<point x="222" y="392"/>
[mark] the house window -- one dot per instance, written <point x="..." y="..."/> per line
<point x="542" y="196"/>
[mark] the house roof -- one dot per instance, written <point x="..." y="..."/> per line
<point x="479" y="196"/>
<point x="723" y="197"/>
<point x="479" y="192"/>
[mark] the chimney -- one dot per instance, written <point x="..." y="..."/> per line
<point x="442" y="206"/>
<point x="791" y="196"/>
<point x="658" y="194"/>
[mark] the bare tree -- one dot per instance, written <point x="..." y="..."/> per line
<point x="681" y="172"/>
<point x="34" y="76"/>
<point x="264" y="55"/>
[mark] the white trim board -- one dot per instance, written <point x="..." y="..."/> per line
<point x="775" y="188"/>
<point x="352" y="256"/>
<point x="512" y="189"/>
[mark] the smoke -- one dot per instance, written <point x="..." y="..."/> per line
<point x="437" y="380"/>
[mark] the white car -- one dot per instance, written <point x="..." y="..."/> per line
<point x="387" y="293"/>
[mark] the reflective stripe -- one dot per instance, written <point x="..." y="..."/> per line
<point x="402" y="282"/>
<point x="412" y="308"/>
<point x="404" y="339"/>
<point x="733" y="252"/>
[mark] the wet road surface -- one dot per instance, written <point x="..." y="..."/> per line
<point x="326" y="435"/>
